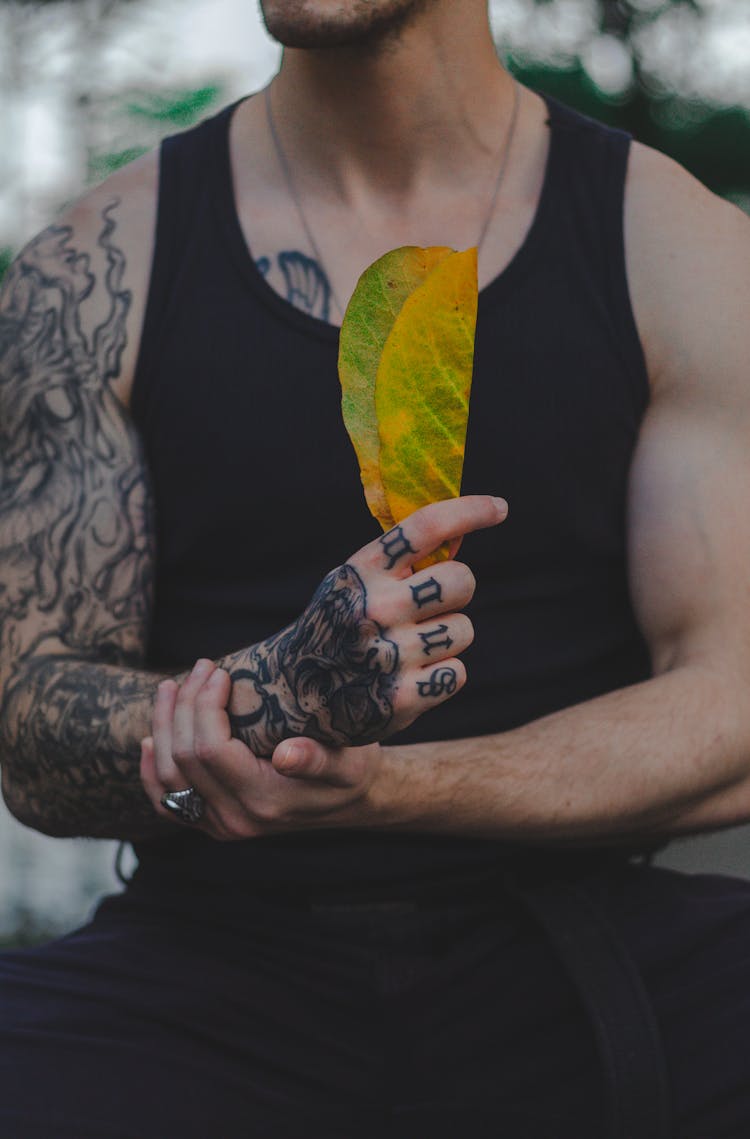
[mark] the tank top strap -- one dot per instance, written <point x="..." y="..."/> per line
<point x="587" y="180"/>
<point x="583" y="207"/>
<point x="187" y="180"/>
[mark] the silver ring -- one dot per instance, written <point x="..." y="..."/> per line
<point x="188" y="806"/>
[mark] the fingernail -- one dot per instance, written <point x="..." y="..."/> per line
<point x="292" y="755"/>
<point x="201" y="667"/>
<point x="502" y="505"/>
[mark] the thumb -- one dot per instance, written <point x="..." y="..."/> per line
<point x="302" y="758"/>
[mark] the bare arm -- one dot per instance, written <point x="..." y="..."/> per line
<point x="672" y="754"/>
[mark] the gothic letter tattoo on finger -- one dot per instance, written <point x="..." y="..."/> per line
<point x="427" y="593"/>
<point x="396" y="545"/>
<point x="435" y="639"/>
<point x="442" y="682"/>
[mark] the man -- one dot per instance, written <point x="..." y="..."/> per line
<point x="327" y="935"/>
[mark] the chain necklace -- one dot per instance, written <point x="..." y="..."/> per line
<point x="291" y="187"/>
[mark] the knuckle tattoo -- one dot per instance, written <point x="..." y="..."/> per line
<point x="395" y="546"/>
<point x="442" y="682"/>
<point x="435" y="639"/>
<point x="428" y="592"/>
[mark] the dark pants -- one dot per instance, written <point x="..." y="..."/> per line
<point x="191" y="1018"/>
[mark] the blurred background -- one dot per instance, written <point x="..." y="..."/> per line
<point x="87" y="85"/>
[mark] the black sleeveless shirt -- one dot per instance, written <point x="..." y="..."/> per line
<point x="258" y="494"/>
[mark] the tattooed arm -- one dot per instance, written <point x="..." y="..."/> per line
<point x="76" y="531"/>
<point x="77" y="547"/>
<point x="77" y="550"/>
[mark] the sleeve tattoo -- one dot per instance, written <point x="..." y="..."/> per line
<point x="76" y="560"/>
<point x="76" y="541"/>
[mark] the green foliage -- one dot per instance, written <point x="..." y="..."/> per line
<point x="102" y="165"/>
<point x="151" y="115"/>
<point x="711" y="142"/>
<point x="177" y="109"/>
<point x="710" y="139"/>
<point x="6" y="256"/>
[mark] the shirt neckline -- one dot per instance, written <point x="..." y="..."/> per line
<point x="508" y="277"/>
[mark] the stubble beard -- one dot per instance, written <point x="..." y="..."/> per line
<point x="364" y="24"/>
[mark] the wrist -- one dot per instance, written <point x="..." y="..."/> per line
<point x="391" y="799"/>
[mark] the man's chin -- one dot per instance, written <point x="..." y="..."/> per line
<point x="320" y="24"/>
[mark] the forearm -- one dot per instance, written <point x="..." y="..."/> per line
<point x="71" y="732"/>
<point x="666" y="756"/>
<point x="72" y="728"/>
<point x="71" y="735"/>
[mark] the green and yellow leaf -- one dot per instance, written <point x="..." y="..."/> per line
<point x="405" y="365"/>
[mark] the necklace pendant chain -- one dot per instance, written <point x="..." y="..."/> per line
<point x="501" y="167"/>
<point x="294" y="195"/>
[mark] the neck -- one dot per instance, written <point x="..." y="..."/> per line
<point x="426" y="107"/>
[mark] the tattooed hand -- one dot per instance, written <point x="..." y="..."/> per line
<point x="247" y="797"/>
<point x="376" y="646"/>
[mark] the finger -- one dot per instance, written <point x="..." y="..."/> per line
<point x="443" y="588"/>
<point x="183" y="727"/>
<point x="173" y="775"/>
<point x="212" y="729"/>
<point x="436" y="684"/>
<point x="209" y="761"/>
<point x="223" y="769"/>
<point x="435" y="640"/>
<point x="167" y="771"/>
<point x="303" y="758"/>
<point x="177" y="780"/>
<point x="422" y="532"/>
<point x="149" y="778"/>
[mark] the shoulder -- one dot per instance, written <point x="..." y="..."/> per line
<point x="688" y="264"/>
<point x="94" y="258"/>
<point x="133" y="187"/>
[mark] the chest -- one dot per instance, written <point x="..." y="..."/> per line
<point x="252" y="463"/>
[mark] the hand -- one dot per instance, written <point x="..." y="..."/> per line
<point x="305" y="786"/>
<point x="376" y="647"/>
